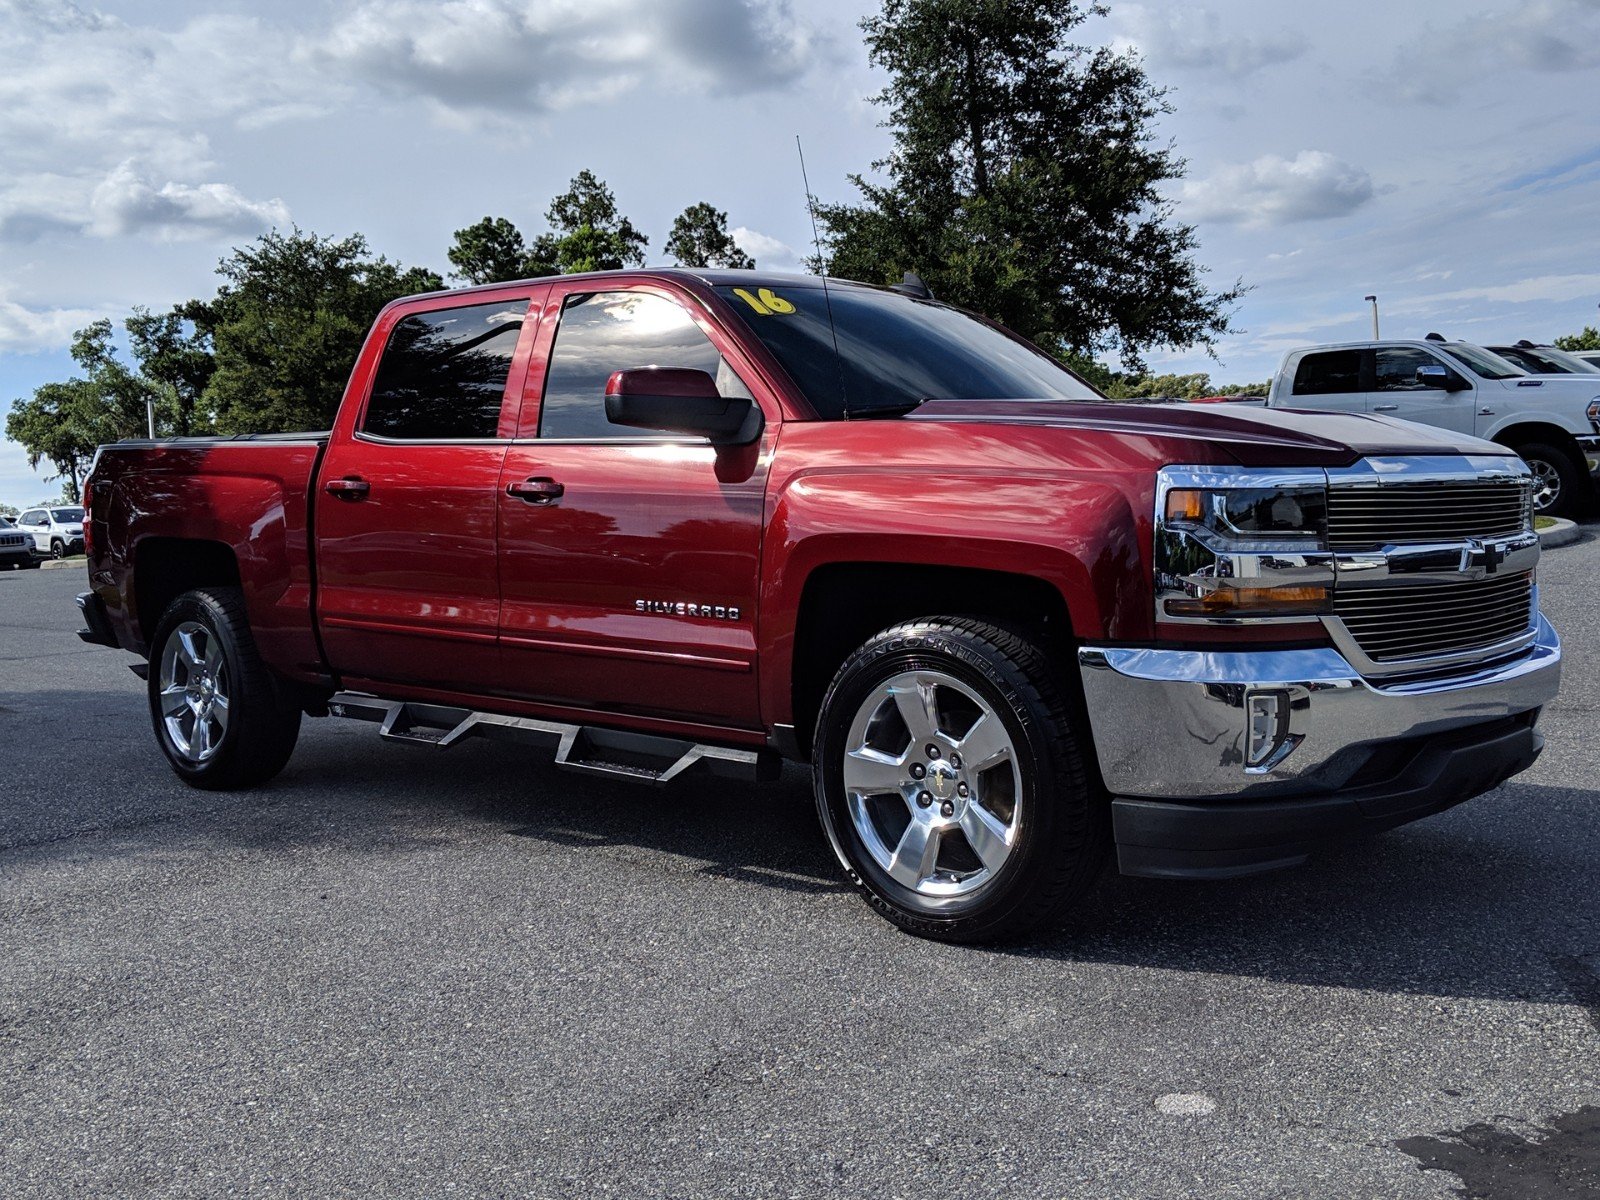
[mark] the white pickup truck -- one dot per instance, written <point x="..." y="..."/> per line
<point x="1552" y="421"/>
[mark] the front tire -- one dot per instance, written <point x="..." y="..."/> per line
<point x="1557" y="481"/>
<point x="58" y="549"/>
<point x="218" y="715"/>
<point x="950" y="781"/>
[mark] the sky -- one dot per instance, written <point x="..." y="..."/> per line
<point x="1443" y="154"/>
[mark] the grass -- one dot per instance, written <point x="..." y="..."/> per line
<point x="1544" y="523"/>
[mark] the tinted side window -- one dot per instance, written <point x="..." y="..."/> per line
<point x="1333" y="372"/>
<point x="604" y="332"/>
<point x="31" y="517"/>
<point x="443" y="373"/>
<point x="1397" y="369"/>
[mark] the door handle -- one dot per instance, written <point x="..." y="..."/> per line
<point x="1486" y="412"/>
<point x="1384" y="407"/>
<point x="539" y="490"/>
<point x="350" y="488"/>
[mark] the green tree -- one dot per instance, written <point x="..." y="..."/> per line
<point x="10" y="510"/>
<point x="1024" y="180"/>
<point x="494" y="251"/>
<point x="700" y="238"/>
<point x="62" y="423"/>
<point x="173" y="350"/>
<point x="1589" y="339"/>
<point x="287" y="323"/>
<point x="587" y="233"/>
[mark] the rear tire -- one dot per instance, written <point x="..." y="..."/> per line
<point x="1558" y="483"/>
<point x="219" y="716"/>
<point x="981" y="846"/>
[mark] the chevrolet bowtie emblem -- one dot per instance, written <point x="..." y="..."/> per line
<point x="1491" y="554"/>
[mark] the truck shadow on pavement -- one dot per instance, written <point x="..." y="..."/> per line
<point x="1494" y="899"/>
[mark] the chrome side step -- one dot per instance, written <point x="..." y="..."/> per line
<point x="587" y="749"/>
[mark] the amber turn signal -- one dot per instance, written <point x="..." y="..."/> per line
<point x="1185" y="504"/>
<point x="1240" y="602"/>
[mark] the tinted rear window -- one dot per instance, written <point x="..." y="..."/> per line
<point x="1331" y="373"/>
<point x="443" y="373"/>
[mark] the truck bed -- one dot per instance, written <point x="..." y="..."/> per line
<point x="247" y="497"/>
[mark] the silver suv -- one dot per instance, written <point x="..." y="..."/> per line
<point x="57" y="530"/>
<point x="16" y="547"/>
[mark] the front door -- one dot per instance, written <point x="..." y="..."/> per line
<point x="1397" y="393"/>
<point x="408" y="582"/>
<point x="629" y="560"/>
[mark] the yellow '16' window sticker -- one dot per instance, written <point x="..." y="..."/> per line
<point x="765" y="301"/>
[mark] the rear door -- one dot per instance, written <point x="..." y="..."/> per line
<point x="1397" y="393"/>
<point x="1334" y="380"/>
<point x="408" y="582"/>
<point x="630" y="560"/>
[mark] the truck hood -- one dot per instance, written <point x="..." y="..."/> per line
<point x="1581" y="388"/>
<point x="1250" y="436"/>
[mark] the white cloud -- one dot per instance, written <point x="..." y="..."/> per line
<point x="1548" y="288"/>
<point x="1448" y="60"/>
<point x="25" y="330"/>
<point x="1190" y="37"/>
<point x="84" y="96"/>
<point x="487" y="59"/>
<point x="769" y="252"/>
<point x="125" y="202"/>
<point x="1311" y="186"/>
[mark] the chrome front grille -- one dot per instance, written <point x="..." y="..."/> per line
<point x="1397" y="623"/>
<point x="1367" y="518"/>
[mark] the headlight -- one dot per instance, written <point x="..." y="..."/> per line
<point x="1250" y="515"/>
<point x="1234" y="545"/>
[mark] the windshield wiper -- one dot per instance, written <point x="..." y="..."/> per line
<point x="886" y="410"/>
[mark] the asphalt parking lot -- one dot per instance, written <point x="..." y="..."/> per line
<point x="404" y="972"/>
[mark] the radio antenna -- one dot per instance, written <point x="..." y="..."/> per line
<point x="822" y="270"/>
<point x="811" y="208"/>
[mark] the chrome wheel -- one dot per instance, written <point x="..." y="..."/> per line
<point x="1546" y="483"/>
<point x="194" y="692"/>
<point x="932" y="784"/>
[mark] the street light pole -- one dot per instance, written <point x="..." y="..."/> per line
<point x="150" y="416"/>
<point x="1373" y="300"/>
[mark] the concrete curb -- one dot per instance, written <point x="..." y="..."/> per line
<point x="62" y="564"/>
<point x="1561" y="534"/>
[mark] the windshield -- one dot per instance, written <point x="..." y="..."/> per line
<point x="67" y="516"/>
<point x="893" y="351"/>
<point x="1547" y="360"/>
<point x="1482" y="363"/>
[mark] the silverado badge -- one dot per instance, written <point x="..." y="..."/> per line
<point x="679" y="608"/>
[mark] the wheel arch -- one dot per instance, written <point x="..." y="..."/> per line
<point x="842" y="604"/>
<point x="167" y="567"/>
<point x="1520" y="433"/>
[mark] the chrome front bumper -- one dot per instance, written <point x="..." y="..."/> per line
<point x="1190" y="725"/>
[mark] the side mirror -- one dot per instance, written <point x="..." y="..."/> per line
<point x="1438" y="377"/>
<point x="680" y="400"/>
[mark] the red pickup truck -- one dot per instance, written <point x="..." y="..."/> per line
<point x="671" y="522"/>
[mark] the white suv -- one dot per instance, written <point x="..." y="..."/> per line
<point x="1553" y="421"/>
<point x="57" y="530"/>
